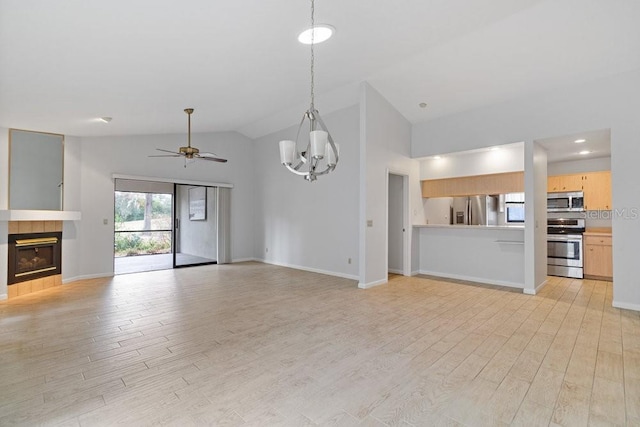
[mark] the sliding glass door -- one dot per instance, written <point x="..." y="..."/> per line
<point x="196" y="225"/>
<point x="142" y="226"/>
<point x="162" y="225"/>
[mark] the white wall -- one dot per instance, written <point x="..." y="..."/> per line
<point x="508" y="158"/>
<point x="309" y="225"/>
<point x="128" y="155"/>
<point x="479" y="254"/>
<point x="579" y="166"/>
<point x="396" y="223"/>
<point x="71" y="247"/>
<point x="4" y="203"/>
<point x="535" y="233"/>
<point x="385" y="145"/>
<point x="4" y="168"/>
<point x="437" y="210"/>
<point x="612" y="103"/>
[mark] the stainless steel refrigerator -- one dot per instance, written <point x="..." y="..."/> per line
<point x="474" y="210"/>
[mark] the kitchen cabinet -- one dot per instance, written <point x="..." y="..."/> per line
<point x="558" y="183"/>
<point x="499" y="183"/>
<point x="598" y="256"/>
<point x="595" y="185"/>
<point x="597" y="190"/>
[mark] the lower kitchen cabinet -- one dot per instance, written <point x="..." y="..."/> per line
<point x="598" y="257"/>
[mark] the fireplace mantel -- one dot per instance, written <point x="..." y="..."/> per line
<point x="33" y="215"/>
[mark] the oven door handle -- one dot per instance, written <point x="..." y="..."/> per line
<point x="563" y="239"/>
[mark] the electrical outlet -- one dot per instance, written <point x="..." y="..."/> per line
<point x="349" y="261"/>
<point x="105" y="221"/>
<point x="369" y="223"/>
<point x="267" y="250"/>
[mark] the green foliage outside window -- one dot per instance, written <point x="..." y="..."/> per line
<point x="141" y="215"/>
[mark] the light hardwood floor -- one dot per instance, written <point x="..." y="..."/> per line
<point x="254" y="344"/>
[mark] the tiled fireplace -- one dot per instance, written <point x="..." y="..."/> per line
<point x="34" y="256"/>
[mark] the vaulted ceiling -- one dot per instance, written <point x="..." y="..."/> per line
<point x="238" y="63"/>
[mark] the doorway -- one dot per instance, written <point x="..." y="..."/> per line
<point x="397" y="223"/>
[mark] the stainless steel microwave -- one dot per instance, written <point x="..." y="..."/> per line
<point x="565" y="202"/>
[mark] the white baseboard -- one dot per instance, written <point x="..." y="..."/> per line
<point x="233" y="261"/>
<point x="474" y="279"/>
<point x="4" y="297"/>
<point x="626" y="305"/>
<point x="415" y="273"/>
<point x="536" y="290"/>
<point x="85" y="277"/>
<point x="394" y="271"/>
<point x="372" y="284"/>
<point x="310" y="269"/>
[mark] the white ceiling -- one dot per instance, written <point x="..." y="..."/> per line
<point x="238" y="63"/>
<point x="564" y="148"/>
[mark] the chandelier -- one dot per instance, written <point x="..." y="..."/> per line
<point x="321" y="154"/>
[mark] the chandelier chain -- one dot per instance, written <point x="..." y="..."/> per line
<point x="312" y="53"/>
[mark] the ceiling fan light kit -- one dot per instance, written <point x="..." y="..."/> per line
<point x="321" y="154"/>
<point x="190" y="153"/>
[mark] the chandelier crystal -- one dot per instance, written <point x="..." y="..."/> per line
<point x="321" y="154"/>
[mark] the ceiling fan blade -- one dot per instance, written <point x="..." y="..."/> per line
<point x="165" y="155"/>
<point x="210" y="158"/>
<point x="169" y="151"/>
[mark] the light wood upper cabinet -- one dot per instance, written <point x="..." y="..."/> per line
<point x="553" y="183"/>
<point x="499" y="183"/>
<point x="559" y="183"/>
<point x="597" y="191"/>
<point x="595" y="185"/>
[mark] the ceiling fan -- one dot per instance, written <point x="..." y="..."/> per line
<point x="190" y="153"/>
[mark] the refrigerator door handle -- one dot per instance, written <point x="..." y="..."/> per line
<point x="469" y="219"/>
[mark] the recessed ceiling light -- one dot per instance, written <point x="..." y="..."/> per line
<point x="423" y="105"/>
<point x="495" y="148"/>
<point x="437" y="157"/>
<point x="321" y="33"/>
<point x="580" y="141"/>
<point x="584" y="152"/>
<point x="105" y="119"/>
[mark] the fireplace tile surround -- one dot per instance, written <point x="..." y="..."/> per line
<point x="35" y="285"/>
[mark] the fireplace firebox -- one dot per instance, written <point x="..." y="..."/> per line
<point x="34" y="255"/>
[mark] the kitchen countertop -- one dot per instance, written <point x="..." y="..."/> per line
<point x="598" y="231"/>
<point x="473" y="227"/>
